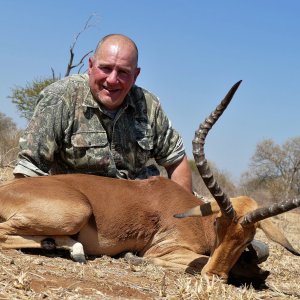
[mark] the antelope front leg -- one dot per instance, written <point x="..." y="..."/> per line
<point x="182" y="259"/>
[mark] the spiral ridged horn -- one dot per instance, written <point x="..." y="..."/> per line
<point x="199" y="156"/>
<point x="270" y="211"/>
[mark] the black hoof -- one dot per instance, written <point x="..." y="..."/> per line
<point x="48" y="244"/>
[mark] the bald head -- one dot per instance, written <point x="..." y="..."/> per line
<point x="113" y="70"/>
<point x="119" y="40"/>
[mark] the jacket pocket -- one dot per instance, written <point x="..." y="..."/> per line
<point x="90" y="153"/>
<point x="89" y="139"/>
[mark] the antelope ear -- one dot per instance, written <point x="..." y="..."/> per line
<point x="274" y="233"/>
<point x="203" y="210"/>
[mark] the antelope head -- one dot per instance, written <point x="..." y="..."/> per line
<point x="236" y="218"/>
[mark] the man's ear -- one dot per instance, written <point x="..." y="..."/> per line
<point x="136" y="73"/>
<point x="91" y="63"/>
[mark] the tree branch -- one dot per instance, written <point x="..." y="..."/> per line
<point x="71" y="65"/>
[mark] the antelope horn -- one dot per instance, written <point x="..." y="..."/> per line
<point x="199" y="156"/>
<point x="270" y="211"/>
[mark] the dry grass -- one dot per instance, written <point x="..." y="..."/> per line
<point x="6" y="174"/>
<point x="36" y="276"/>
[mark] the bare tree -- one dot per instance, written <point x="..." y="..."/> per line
<point x="25" y="98"/>
<point x="276" y="168"/>
<point x="222" y="177"/>
<point x="9" y="139"/>
<point x="71" y="65"/>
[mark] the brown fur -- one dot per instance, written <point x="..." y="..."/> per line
<point x="112" y="216"/>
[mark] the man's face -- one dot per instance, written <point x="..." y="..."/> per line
<point x="112" y="72"/>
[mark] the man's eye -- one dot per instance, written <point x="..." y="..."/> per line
<point x="123" y="72"/>
<point x="105" y="69"/>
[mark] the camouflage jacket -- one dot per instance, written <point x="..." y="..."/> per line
<point x="70" y="133"/>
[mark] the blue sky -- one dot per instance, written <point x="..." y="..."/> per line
<point x="191" y="53"/>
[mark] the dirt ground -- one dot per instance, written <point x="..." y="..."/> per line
<point x="41" y="275"/>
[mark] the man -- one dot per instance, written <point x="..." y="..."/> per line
<point x="102" y="123"/>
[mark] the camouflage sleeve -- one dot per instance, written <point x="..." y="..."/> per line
<point x="41" y="139"/>
<point x="169" y="146"/>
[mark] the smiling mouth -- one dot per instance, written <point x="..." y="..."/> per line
<point x="111" y="90"/>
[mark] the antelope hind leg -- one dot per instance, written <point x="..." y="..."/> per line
<point x="44" y="242"/>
